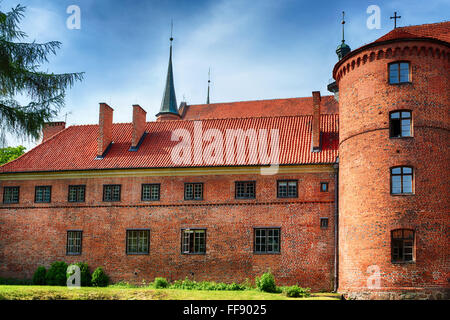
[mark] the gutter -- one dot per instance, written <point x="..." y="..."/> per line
<point x="336" y="226"/>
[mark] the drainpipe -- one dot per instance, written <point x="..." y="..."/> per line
<point x="336" y="225"/>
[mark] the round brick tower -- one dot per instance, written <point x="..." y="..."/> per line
<point x="394" y="171"/>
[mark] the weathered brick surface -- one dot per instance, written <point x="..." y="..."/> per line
<point x="35" y="234"/>
<point x="368" y="212"/>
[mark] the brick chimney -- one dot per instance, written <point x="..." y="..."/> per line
<point x="104" y="138"/>
<point x="139" y="120"/>
<point x="316" y="122"/>
<point x="51" y="128"/>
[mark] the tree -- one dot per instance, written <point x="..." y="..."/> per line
<point x="10" y="153"/>
<point x="20" y="76"/>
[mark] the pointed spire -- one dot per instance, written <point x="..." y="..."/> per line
<point x="209" y="81"/>
<point x="343" y="48"/>
<point x="169" y="101"/>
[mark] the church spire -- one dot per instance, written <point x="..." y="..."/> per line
<point x="209" y="81"/>
<point x="343" y="48"/>
<point x="169" y="101"/>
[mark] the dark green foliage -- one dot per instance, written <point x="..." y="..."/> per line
<point x="19" y="75"/>
<point x="15" y="282"/>
<point x="85" y="274"/>
<point x="39" y="276"/>
<point x="266" y="282"/>
<point x="187" y="284"/>
<point x="297" y="292"/>
<point x="161" y="283"/>
<point x="56" y="275"/>
<point x="99" y="278"/>
<point x="10" y="153"/>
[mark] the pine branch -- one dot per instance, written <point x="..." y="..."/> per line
<point x="27" y="54"/>
<point x="9" y="23"/>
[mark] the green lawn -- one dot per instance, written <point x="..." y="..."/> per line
<point x="10" y="292"/>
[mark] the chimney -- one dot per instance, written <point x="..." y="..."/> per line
<point x="51" y="128"/>
<point x="104" y="138"/>
<point x="316" y="122"/>
<point x="139" y="120"/>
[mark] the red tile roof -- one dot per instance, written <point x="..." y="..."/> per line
<point x="75" y="147"/>
<point x="259" y="108"/>
<point x="439" y="31"/>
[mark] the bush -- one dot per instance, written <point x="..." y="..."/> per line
<point x="15" y="282"/>
<point x="296" y="291"/>
<point x="266" y="282"/>
<point x="99" y="278"/>
<point x="187" y="284"/>
<point x="56" y="275"/>
<point x="39" y="276"/>
<point x="161" y="283"/>
<point x="85" y="275"/>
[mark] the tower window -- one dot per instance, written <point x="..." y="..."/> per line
<point x="323" y="223"/>
<point x="402" y="180"/>
<point x="400" y="124"/>
<point x="324" y="187"/>
<point x="287" y="189"/>
<point x="11" y="195"/>
<point x="43" y="194"/>
<point x="150" y="192"/>
<point x="193" y="191"/>
<point x="74" y="242"/>
<point x="245" y="189"/>
<point x="111" y="192"/>
<point x="399" y="72"/>
<point x="402" y="245"/>
<point x="77" y="193"/>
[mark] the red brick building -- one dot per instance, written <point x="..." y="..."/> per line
<point x="349" y="195"/>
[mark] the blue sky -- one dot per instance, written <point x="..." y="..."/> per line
<point x="256" y="49"/>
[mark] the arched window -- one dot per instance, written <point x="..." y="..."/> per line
<point x="400" y="124"/>
<point x="399" y="72"/>
<point x="402" y="245"/>
<point x="402" y="180"/>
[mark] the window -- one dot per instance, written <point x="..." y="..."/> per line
<point x="400" y="124"/>
<point x="402" y="244"/>
<point x="111" y="192"/>
<point x="399" y="72"/>
<point x="402" y="180"/>
<point x="74" y="242"/>
<point x="43" y="194"/>
<point x="77" y="193"/>
<point x="193" y="241"/>
<point x="150" y="192"/>
<point x="323" y="223"/>
<point x="193" y="191"/>
<point x="287" y="189"/>
<point x="11" y="195"/>
<point x="324" y="187"/>
<point x="245" y="189"/>
<point x="267" y="240"/>
<point x="138" y="241"/>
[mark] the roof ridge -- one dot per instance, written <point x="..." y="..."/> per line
<point x="424" y="24"/>
<point x="205" y="104"/>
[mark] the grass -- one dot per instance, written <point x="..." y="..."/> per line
<point x="11" y="292"/>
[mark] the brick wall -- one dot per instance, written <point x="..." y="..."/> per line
<point x="368" y="212"/>
<point x="36" y="233"/>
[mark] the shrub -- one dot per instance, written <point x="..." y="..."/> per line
<point x="266" y="282"/>
<point x="296" y="291"/>
<point x="123" y="284"/>
<point x="56" y="275"/>
<point x="85" y="275"/>
<point x="99" y="278"/>
<point x="15" y="282"/>
<point x="161" y="283"/>
<point x="39" y="276"/>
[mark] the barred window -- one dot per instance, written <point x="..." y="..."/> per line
<point x="400" y="124"/>
<point x="43" y="194"/>
<point x="11" y="195"/>
<point x="398" y="72"/>
<point x="193" y="191"/>
<point x="323" y="223"/>
<point x="287" y="189"/>
<point x="193" y="241"/>
<point x="150" y="192"/>
<point x="111" y="192"/>
<point x="138" y="241"/>
<point x="74" y="242"/>
<point x="267" y="240"/>
<point x="77" y="193"/>
<point x="402" y="243"/>
<point x="245" y="189"/>
<point x="402" y="180"/>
